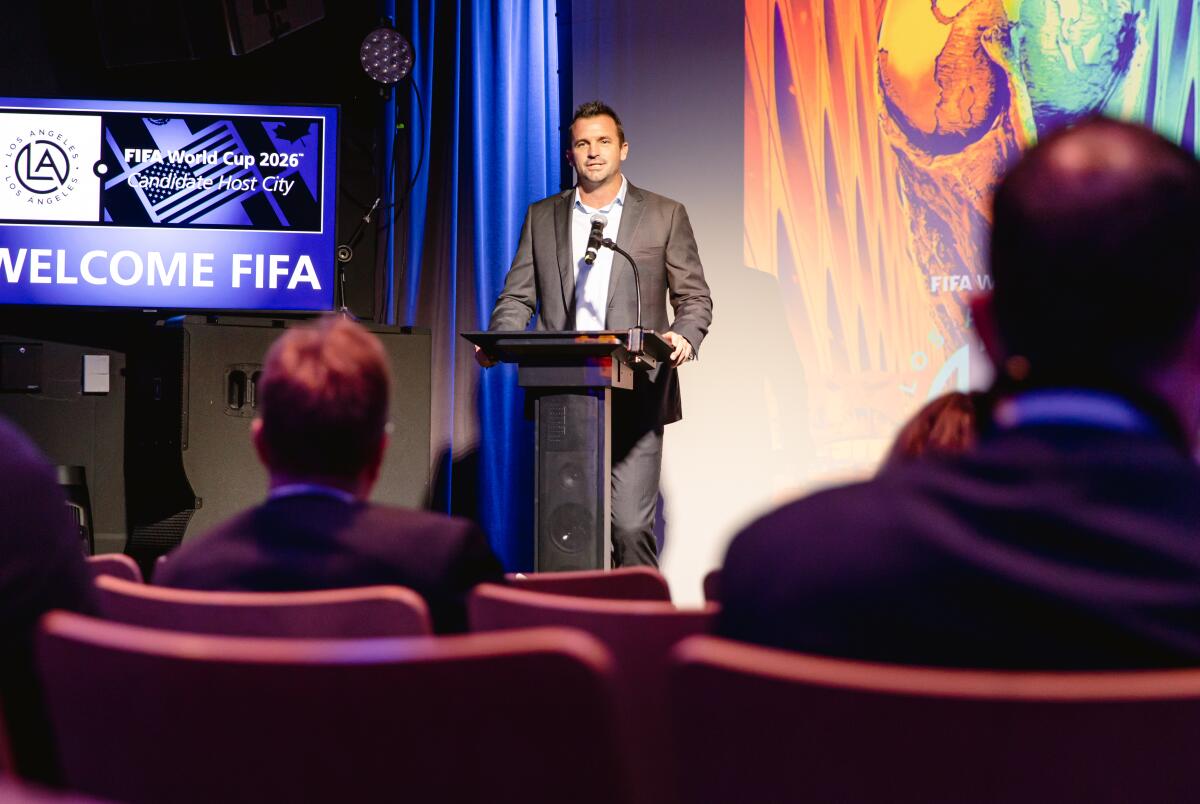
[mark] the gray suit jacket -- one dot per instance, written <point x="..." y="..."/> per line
<point x="655" y="230"/>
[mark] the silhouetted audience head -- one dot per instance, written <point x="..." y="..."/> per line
<point x="1095" y="256"/>
<point x="323" y="405"/>
<point x="947" y="425"/>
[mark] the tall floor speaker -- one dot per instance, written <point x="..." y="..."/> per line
<point x="191" y="395"/>
<point x="572" y="491"/>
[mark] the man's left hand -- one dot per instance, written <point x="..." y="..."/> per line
<point x="681" y="348"/>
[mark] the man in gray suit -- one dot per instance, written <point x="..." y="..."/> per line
<point x="549" y="275"/>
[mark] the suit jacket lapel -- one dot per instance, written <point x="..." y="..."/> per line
<point x="631" y="217"/>
<point x="562" y="237"/>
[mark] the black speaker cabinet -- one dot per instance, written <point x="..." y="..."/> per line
<point x="45" y="398"/>
<point x="191" y="397"/>
<point x="571" y="489"/>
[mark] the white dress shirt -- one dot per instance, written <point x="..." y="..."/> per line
<point x="591" y="281"/>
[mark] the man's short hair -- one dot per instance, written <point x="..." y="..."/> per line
<point x="595" y="109"/>
<point x="1095" y="254"/>
<point x="323" y="399"/>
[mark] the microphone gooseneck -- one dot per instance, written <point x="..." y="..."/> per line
<point x="608" y="242"/>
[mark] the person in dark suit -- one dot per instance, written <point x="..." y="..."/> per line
<point x="41" y="568"/>
<point x="1068" y="537"/>
<point x="550" y="276"/>
<point x="321" y="433"/>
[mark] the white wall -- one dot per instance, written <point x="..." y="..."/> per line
<point x="674" y="70"/>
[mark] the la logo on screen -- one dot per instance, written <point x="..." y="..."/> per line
<point x="48" y="167"/>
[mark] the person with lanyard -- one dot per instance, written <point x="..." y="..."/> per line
<point x="1068" y="536"/>
<point x="321" y="433"/>
<point x="552" y="274"/>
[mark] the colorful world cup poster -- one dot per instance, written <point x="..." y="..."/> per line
<point x="875" y="132"/>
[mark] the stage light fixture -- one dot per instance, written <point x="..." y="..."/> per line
<point x="386" y="56"/>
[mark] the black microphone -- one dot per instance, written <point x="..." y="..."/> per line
<point x="595" y="238"/>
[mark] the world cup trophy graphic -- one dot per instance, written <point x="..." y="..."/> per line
<point x="964" y="87"/>
<point x="875" y="135"/>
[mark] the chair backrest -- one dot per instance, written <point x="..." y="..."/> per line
<point x="118" y="565"/>
<point x="144" y="715"/>
<point x="625" y="583"/>
<point x="758" y="724"/>
<point x="15" y="791"/>
<point x="368" y="611"/>
<point x="640" y="635"/>
<point x="712" y="585"/>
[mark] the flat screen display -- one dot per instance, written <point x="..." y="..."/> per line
<point x="167" y="205"/>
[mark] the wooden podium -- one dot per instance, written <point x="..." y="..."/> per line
<point x="571" y="376"/>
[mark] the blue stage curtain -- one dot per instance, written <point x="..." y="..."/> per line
<point x="488" y="77"/>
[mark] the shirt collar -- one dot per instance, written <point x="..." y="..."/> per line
<point x="1076" y="407"/>
<point x="620" y="199"/>
<point x="311" y="489"/>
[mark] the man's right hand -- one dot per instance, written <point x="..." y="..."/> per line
<point x="483" y="358"/>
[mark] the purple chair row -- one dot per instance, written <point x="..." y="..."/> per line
<point x="147" y="715"/>
<point x="340" y="613"/>
<point x="553" y="714"/>
<point x="709" y="720"/>
<point x="369" y="611"/>
<point x="639" y="633"/>
<point x="627" y="583"/>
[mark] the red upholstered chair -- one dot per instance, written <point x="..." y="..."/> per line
<point x="14" y="791"/>
<point x="144" y="715"/>
<point x="117" y="565"/>
<point x="757" y="724"/>
<point x="640" y="635"/>
<point x="712" y="585"/>
<point x="625" y="583"/>
<point x="369" y="611"/>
